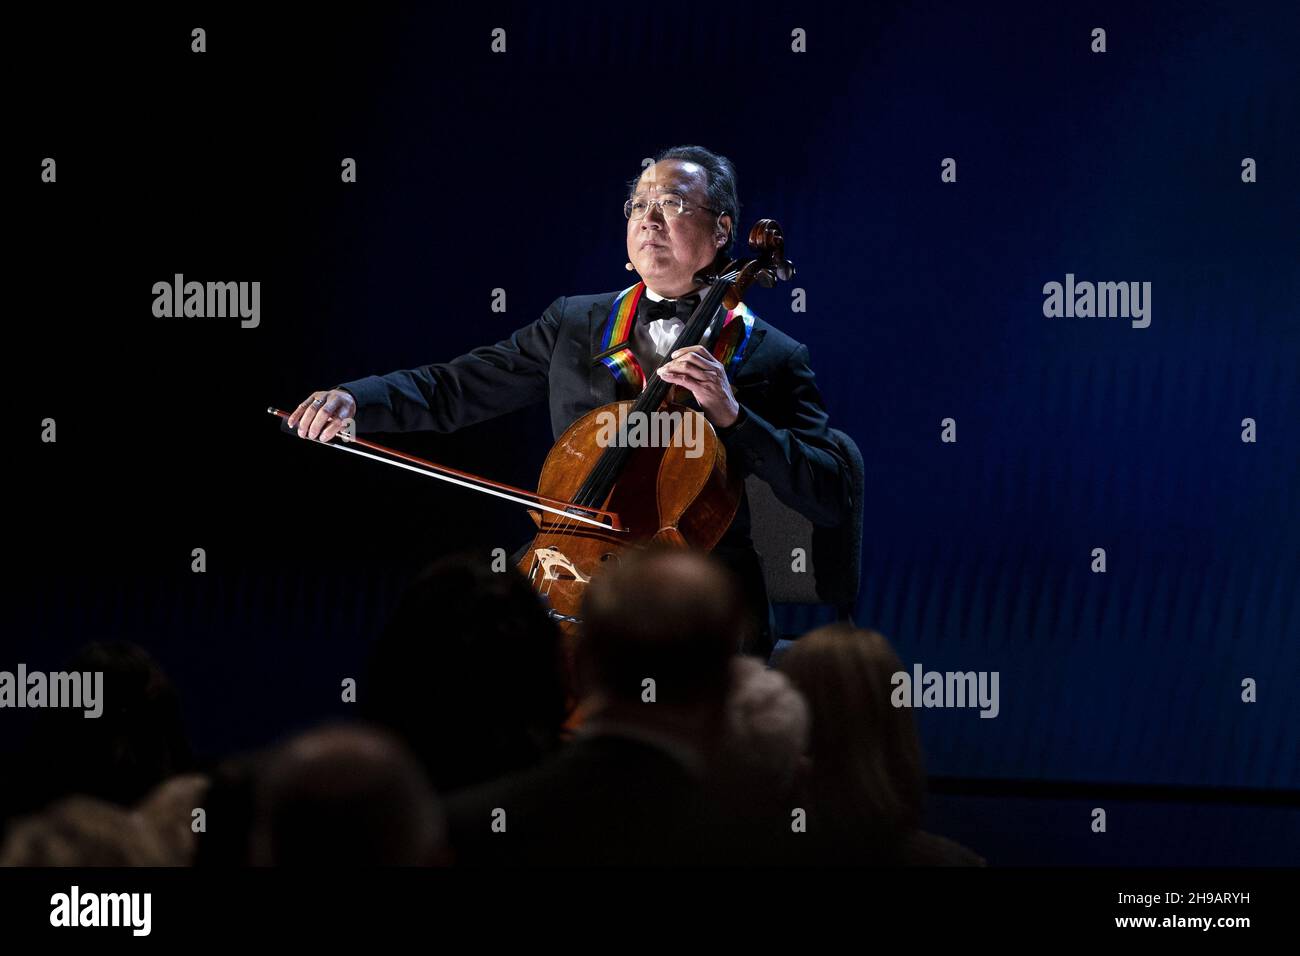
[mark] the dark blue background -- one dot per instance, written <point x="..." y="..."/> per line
<point x="924" y="302"/>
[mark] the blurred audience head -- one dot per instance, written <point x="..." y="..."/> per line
<point x="468" y="673"/>
<point x="345" y="795"/>
<point x="169" y="811"/>
<point x="83" y="831"/>
<point x="671" y="616"/>
<point x="865" y="769"/>
<point x="135" y="744"/>
<point x="768" y="725"/>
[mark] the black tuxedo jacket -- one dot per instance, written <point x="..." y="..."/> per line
<point x="781" y="435"/>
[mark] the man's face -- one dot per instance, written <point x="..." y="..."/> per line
<point x="667" y="251"/>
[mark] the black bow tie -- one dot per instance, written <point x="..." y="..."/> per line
<point x="671" y="308"/>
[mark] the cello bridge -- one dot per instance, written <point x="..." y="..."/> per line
<point x="554" y="566"/>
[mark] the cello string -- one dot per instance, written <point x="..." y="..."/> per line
<point x="607" y="467"/>
<point x="602" y="471"/>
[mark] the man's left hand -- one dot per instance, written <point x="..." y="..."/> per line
<point x="696" y="370"/>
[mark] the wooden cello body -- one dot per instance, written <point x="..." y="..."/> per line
<point x="665" y="494"/>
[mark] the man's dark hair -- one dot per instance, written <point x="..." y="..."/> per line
<point x="721" y="187"/>
<point x="345" y="795"/>
<point x="470" y="649"/>
<point x="667" y="614"/>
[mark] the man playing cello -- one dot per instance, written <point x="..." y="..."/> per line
<point x="755" y="387"/>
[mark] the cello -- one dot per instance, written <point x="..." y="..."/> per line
<point x="596" y="498"/>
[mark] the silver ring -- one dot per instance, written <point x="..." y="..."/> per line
<point x="318" y="402"/>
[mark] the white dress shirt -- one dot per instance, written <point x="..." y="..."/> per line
<point x="663" y="332"/>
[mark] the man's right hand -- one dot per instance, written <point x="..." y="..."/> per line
<point x="322" y="415"/>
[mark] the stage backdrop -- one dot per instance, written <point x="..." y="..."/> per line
<point x="934" y="167"/>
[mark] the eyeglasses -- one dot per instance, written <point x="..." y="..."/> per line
<point x="671" y="207"/>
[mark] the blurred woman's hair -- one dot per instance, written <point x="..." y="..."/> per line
<point x="866" y="777"/>
<point x="134" y="745"/>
